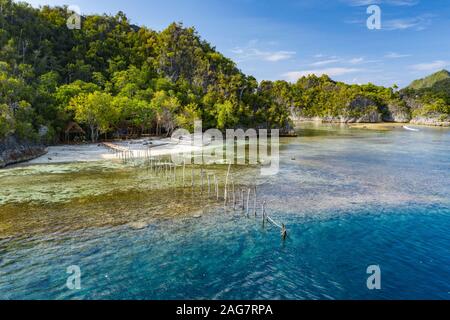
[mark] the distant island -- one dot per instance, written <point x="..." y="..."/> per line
<point x="112" y="79"/>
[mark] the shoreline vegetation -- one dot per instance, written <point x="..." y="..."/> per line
<point x="112" y="80"/>
<point x="159" y="146"/>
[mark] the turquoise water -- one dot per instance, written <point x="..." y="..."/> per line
<point x="350" y="198"/>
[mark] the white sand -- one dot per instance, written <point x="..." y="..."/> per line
<point x="97" y="152"/>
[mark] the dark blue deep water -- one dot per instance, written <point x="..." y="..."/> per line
<point x="349" y="199"/>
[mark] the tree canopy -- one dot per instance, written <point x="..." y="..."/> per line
<point x="111" y="76"/>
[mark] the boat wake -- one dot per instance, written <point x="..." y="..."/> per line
<point x="410" y="129"/>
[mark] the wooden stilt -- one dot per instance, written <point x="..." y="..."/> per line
<point x="255" y="202"/>
<point x="248" y="201"/>
<point x="217" y="187"/>
<point x="264" y="212"/>
<point x="184" y="171"/>
<point x="201" y="178"/>
<point x="209" y="185"/>
<point x="283" y="232"/>
<point x="234" y="197"/>
<point x="225" y="196"/>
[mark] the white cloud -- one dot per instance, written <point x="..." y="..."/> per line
<point x="430" y="66"/>
<point x="278" y="55"/>
<point x="395" y="55"/>
<point x="356" y="60"/>
<point x="324" y="62"/>
<point x="417" y="23"/>
<point x="334" y="59"/>
<point x="252" y="53"/>
<point x="332" y="72"/>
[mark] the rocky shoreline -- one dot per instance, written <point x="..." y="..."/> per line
<point x="13" y="151"/>
<point x="365" y="110"/>
<point x="433" y="122"/>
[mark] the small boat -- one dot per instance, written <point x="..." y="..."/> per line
<point x="410" y="129"/>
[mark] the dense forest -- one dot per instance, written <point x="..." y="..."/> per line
<point x="429" y="96"/>
<point x="114" y="78"/>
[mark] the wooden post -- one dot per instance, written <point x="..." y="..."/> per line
<point x="242" y="198"/>
<point x="283" y="232"/>
<point x="184" y="170"/>
<point x="217" y="187"/>
<point x="209" y="184"/>
<point x="150" y="158"/>
<point x="201" y="178"/>
<point x="226" y="186"/>
<point x="264" y="212"/>
<point x="254" y="204"/>
<point x="248" y="201"/>
<point x="193" y="181"/>
<point x="234" y="197"/>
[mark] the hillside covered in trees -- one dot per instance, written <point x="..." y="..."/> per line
<point x="114" y="78"/>
<point x="429" y="98"/>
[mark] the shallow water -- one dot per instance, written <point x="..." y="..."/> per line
<point x="350" y="198"/>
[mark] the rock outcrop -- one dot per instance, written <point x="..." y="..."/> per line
<point x="439" y="120"/>
<point x="396" y="112"/>
<point x="364" y="110"/>
<point x="12" y="151"/>
<point x="425" y="117"/>
<point x="361" y="109"/>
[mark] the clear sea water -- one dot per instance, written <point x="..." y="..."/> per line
<point x="350" y="198"/>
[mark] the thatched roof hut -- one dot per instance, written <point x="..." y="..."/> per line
<point x="73" y="130"/>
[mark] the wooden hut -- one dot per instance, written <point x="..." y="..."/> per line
<point x="74" y="132"/>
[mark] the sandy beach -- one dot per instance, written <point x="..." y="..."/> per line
<point x="98" y="152"/>
<point x="156" y="146"/>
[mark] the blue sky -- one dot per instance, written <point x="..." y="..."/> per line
<point x="285" y="39"/>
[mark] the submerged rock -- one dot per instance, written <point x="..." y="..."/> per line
<point x="138" y="225"/>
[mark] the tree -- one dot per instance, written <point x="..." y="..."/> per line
<point x="6" y="121"/>
<point x="148" y="76"/>
<point x="188" y="116"/>
<point x="95" y="110"/>
<point x="138" y="112"/>
<point x="143" y="114"/>
<point x="226" y="116"/>
<point x="164" y="107"/>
